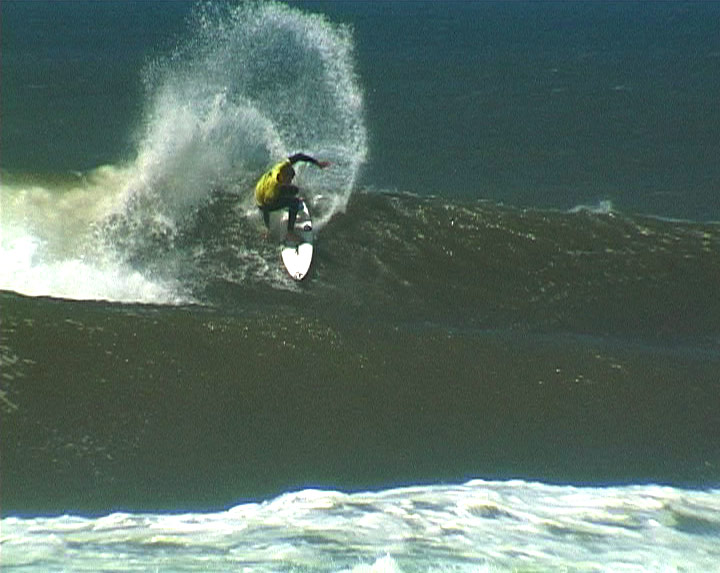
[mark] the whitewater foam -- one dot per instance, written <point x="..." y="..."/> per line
<point x="49" y="245"/>
<point x="604" y="207"/>
<point x="477" y="526"/>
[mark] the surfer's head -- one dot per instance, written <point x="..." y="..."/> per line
<point x="285" y="174"/>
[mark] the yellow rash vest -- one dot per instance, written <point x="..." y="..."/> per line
<point x="267" y="189"/>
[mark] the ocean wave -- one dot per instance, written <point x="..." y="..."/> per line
<point x="217" y="112"/>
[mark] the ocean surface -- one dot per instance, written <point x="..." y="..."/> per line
<point x="506" y="356"/>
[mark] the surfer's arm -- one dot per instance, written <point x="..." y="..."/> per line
<point x="293" y="159"/>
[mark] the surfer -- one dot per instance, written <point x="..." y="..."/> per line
<point x="275" y="190"/>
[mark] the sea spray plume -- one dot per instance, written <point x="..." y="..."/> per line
<point x="253" y="83"/>
<point x="247" y="86"/>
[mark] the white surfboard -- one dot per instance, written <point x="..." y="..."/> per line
<point x="297" y="248"/>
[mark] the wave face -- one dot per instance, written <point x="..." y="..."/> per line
<point x="433" y="341"/>
<point x="479" y="265"/>
<point x="388" y="257"/>
<point x="254" y="83"/>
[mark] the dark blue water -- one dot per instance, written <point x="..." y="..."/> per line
<point x="547" y="104"/>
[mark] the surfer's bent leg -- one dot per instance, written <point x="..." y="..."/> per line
<point x="293" y="206"/>
<point x="288" y="198"/>
<point x="293" y="209"/>
<point x="289" y="202"/>
<point x="266" y="216"/>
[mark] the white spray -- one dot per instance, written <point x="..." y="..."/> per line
<point x="252" y="84"/>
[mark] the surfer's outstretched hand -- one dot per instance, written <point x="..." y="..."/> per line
<point x="323" y="164"/>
